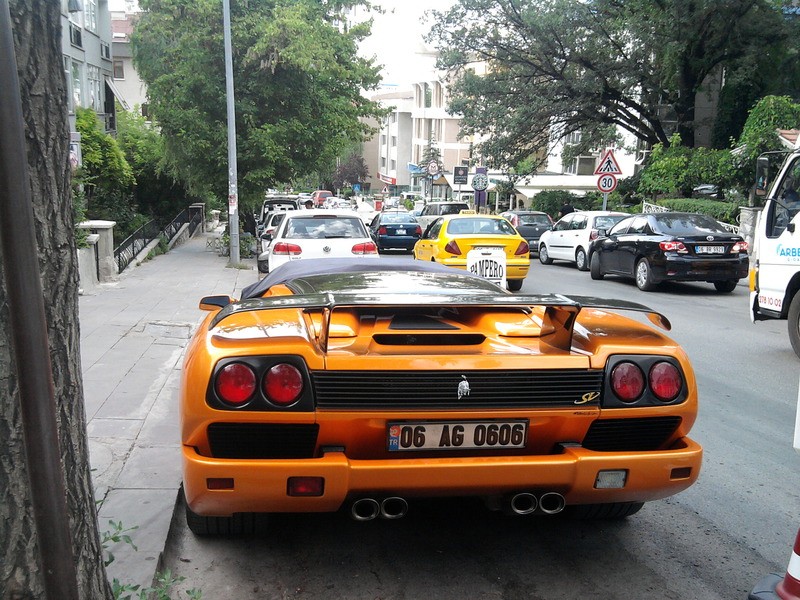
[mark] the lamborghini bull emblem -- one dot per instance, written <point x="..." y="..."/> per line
<point x="463" y="387"/>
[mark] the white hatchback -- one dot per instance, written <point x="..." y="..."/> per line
<point x="315" y="234"/>
<point x="570" y="237"/>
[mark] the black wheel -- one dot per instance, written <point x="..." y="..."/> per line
<point x="263" y="266"/>
<point x="613" y="510"/>
<point x="727" y="286"/>
<point x="238" y="524"/>
<point x="544" y="258"/>
<point x="580" y="260"/>
<point x="644" y="276"/>
<point x="515" y="285"/>
<point x="794" y="324"/>
<point x="595" y="270"/>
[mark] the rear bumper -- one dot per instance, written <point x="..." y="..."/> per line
<point x="261" y="485"/>
<point x="688" y="269"/>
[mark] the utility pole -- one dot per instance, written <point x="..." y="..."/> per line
<point x="233" y="192"/>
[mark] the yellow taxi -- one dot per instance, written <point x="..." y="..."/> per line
<point x="503" y="254"/>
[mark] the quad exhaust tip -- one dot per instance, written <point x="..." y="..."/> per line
<point x="552" y="503"/>
<point x="367" y="509"/>
<point x="394" y="507"/>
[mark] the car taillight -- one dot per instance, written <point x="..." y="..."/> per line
<point x="382" y="230"/>
<point x="673" y="247"/>
<point x="365" y="248"/>
<point x="285" y="248"/>
<point x="419" y="230"/>
<point x="593" y="234"/>
<point x="627" y="381"/>
<point x="452" y="247"/>
<point x="522" y="249"/>
<point x="665" y="381"/>
<point x="283" y="384"/>
<point x="740" y="247"/>
<point x="235" y="383"/>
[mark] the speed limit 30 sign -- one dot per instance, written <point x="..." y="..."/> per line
<point x="606" y="183"/>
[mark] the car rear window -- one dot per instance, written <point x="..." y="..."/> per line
<point x="687" y="225"/>
<point x="398" y="218"/>
<point x="325" y="227"/>
<point x="534" y="220"/>
<point x="453" y="209"/>
<point x="480" y="227"/>
<point x="607" y="222"/>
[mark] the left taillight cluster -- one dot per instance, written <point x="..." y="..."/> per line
<point x="645" y="380"/>
<point x="237" y="384"/>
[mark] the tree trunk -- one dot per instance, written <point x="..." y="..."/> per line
<point x="37" y="38"/>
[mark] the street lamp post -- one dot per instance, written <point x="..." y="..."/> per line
<point x="233" y="193"/>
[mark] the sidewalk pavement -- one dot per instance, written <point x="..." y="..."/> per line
<point x="133" y="335"/>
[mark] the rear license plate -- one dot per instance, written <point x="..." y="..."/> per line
<point x="456" y="435"/>
<point x="709" y="249"/>
<point x="400" y="232"/>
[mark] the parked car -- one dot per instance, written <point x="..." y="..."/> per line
<point x="315" y="234"/>
<point x="433" y="210"/>
<point x="531" y="224"/>
<point x="671" y="246"/>
<point x="450" y="238"/>
<point x="273" y="220"/>
<point x="365" y="385"/>
<point x="395" y="230"/>
<point x="571" y="235"/>
<point x="274" y="203"/>
<point x="319" y="197"/>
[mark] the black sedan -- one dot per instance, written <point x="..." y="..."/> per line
<point x="670" y="246"/>
<point x="395" y="230"/>
<point x="530" y="224"/>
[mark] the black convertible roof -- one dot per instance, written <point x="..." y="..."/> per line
<point x="299" y="269"/>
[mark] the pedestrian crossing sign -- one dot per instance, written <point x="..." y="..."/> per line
<point x="608" y="165"/>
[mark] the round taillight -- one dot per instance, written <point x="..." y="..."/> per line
<point x="283" y="384"/>
<point x="627" y="381"/>
<point x="665" y="381"/>
<point x="235" y="383"/>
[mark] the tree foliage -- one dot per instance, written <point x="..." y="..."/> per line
<point x="528" y="72"/>
<point x="760" y="130"/>
<point x="350" y="171"/>
<point x="297" y="83"/>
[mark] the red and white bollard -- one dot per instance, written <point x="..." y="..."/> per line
<point x="789" y="588"/>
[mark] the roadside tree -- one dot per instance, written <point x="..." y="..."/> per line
<point x="297" y="84"/>
<point x="37" y="42"/>
<point x="522" y="70"/>
<point x="350" y="171"/>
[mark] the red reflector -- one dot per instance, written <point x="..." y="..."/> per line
<point x="522" y="249"/>
<point x="283" y="384"/>
<point x="219" y="483"/>
<point x="285" y="248"/>
<point x="452" y="247"/>
<point x="305" y="486"/>
<point x="665" y="381"/>
<point x="680" y="473"/>
<point x="365" y="248"/>
<point x="235" y="383"/>
<point x="627" y="381"/>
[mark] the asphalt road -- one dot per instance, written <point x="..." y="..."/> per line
<point x="715" y="540"/>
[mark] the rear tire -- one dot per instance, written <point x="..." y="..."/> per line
<point x="515" y="285"/>
<point x="644" y="276"/>
<point x="235" y="525"/>
<point x="611" y="511"/>
<point x="595" y="269"/>
<point x="727" y="286"/>
<point x="544" y="258"/>
<point x="580" y="260"/>
<point x="794" y="324"/>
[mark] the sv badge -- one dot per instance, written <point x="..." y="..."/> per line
<point x="588" y="397"/>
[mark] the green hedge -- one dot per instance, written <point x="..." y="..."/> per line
<point x="727" y="212"/>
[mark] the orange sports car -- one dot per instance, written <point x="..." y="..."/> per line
<point x="364" y="385"/>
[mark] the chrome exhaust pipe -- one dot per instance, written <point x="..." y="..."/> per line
<point x="365" y="509"/>
<point x="552" y="503"/>
<point x="523" y="503"/>
<point x="394" y="507"/>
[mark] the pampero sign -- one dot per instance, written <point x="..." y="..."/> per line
<point x="488" y="262"/>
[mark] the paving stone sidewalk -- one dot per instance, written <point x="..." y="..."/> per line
<point x="133" y="335"/>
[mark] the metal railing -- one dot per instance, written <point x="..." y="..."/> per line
<point x="127" y="251"/>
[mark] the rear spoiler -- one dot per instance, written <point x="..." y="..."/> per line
<point x="559" y="318"/>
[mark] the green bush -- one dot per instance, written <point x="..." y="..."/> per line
<point x="727" y="212"/>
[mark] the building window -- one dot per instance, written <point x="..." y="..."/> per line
<point x="91" y="14"/>
<point x="394" y="141"/>
<point x="383" y="162"/>
<point x="145" y="110"/>
<point x="75" y="36"/>
<point x="93" y="80"/>
<point x="68" y="78"/>
<point x="571" y="167"/>
<point x="383" y="139"/>
<point x="393" y="165"/>
<point x="119" y="69"/>
<point x="105" y="50"/>
<point x="77" y="84"/>
<point x="428" y="95"/>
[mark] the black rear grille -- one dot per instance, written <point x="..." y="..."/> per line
<point x="258" y="440"/>
<point x="623" y="435"/>
<point x="439" y="389"/>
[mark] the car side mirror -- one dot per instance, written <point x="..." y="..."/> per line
<point x="266" y="236"/>
<point x="790" y="228"/>
<point x="214" y="302"/>
<point x="762" y="175"/>
<point x="602" y="233"/>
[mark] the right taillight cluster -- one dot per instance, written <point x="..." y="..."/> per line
<point x="236" y="384"/>
<point x="634" y="381"/>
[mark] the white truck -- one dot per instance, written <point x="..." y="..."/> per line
<point x="775" y="260"/>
